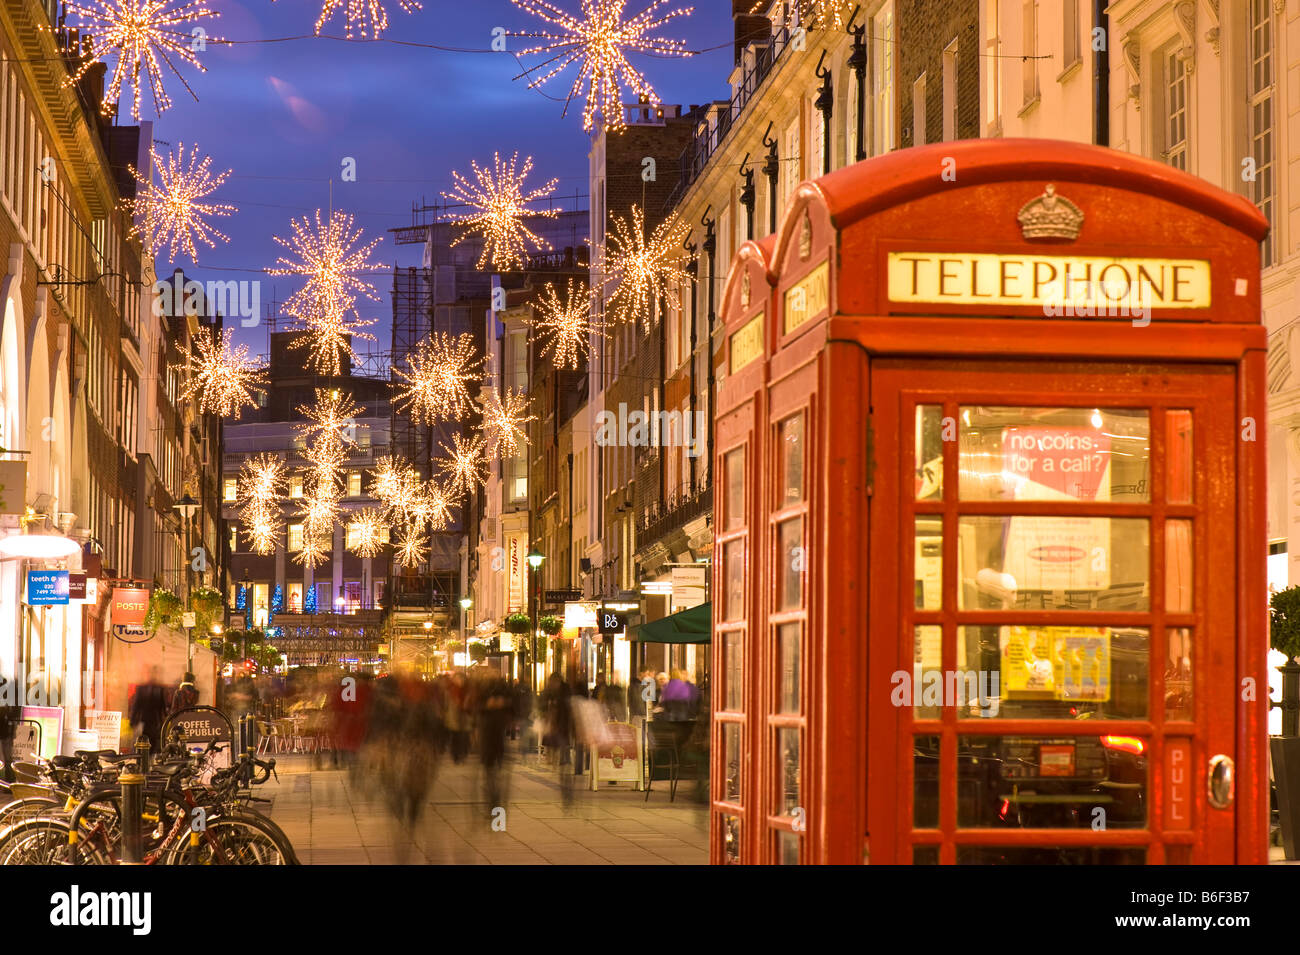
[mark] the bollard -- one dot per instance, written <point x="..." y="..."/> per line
<point x="132" y="818"/>
<point x="142" y="748"/>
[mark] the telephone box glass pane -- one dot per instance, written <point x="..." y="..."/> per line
<point x="735" y="500"/>
<point x="925" y="782"/>
<point x="1054" y="454"/>
<point x="1056" y="855"/>
<point x="733" y="568"/>
<point x="1053" y="563"/>
<point x="788" y="636"/>
<point x="787" y="745"/>
<point x="929" y="452"/>
<point x="787" y="848"/>
<point x="790" y="445"/>
<point x="1178" y="566"/>
<point x="1041" y="782"/>
<point x="1035" y="672"/>
<point x="928" y="568"/>
<point x="730" y="840"/>
<point x="734" y="651"/>
<point x="1178" y="436"/>
<point x="1178" y="674"/>
<point x="925" y="855"/>
<point x="789" y="575"/>
<point x="731" y="759"/>
<point x="927" y="663"/>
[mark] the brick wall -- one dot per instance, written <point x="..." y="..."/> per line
<point x="925" y="28"/>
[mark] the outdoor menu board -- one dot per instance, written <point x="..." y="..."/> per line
<point x="618" y="758"/>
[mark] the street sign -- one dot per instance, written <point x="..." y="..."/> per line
<point x="187" y="618"/>
<point x="201" y="726"/>
<point x="45" y="588"/>
<point x="610" y="621"/>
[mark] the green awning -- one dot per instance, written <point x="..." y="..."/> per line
<point x="686" y="626"/>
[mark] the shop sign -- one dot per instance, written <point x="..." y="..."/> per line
<point x="746" y="344"/>
<point x="51" y="720"/>
<point x="688" y="586"/>
<point x="984" y="278"/>
<point x="516" y="568"/>
<point x="46" y="588"/>
<point x="807" y="298"/>
<point x="610" y="621"/>
<point x="13" y="486"/>
<point x="130" y="604"/>
<point x="578" y="615"/>
<point x="107" y="725"/>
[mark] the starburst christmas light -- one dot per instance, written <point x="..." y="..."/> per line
<point x="503" y="421"/>
<point x="222" y="378"/>
<point x="599" y="40"/>
<point x="366" y="17"/>
<point x="566" y="326"/>
<point x="647" y="270"/>
<point x="315" y="550"/>
<point x="437" y="378"/>
<point x="258" y="489"/>
<point x="465" y="465"/>
<point x="432" y="506"/>
<point x="173" y="212"/>
<point x="141" y="36"/>
<point x="500" y="203"/>
<point x="331" y="423"/>
<point x="331" y="257"/>
<point x="369" y="532"/>
<point x="410" y="547"/>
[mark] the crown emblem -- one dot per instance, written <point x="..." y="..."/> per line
<point x="1050" y="217"/>
<point x="805" y="236"/>
<point x="744" y="289"/>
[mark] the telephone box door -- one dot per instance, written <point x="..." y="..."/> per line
<point x="1052" y="626"/>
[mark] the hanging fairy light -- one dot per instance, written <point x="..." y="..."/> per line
<point x="465" y="465"/>
<point x="410" y="547"/>
<point x="368" y="532"/>
<point x="599" y="40"/>
<point x="499" y="203"/>
<point x="647" y="271"/>
<point x="141" y="36"/>
<point x="172" y="211"/>
<point x="565" y="326"/>
<point x="331" y="257"/>
<point x="439" y="371"/>
<point x="828" y="14"/>
<point x="365" y="17"/>
<point x="504" y="418"/>
<point x="223" y="379"/>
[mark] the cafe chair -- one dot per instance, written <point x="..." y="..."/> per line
<point x="661" y="748"/>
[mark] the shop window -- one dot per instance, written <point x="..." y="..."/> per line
<point x="295" y="598"/>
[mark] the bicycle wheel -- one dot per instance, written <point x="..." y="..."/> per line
<point x="40" y="840"/>
<point x="235" y="841"/>
<point x="25" y="808"/>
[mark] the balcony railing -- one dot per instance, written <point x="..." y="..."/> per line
<point x="684" y="504"/>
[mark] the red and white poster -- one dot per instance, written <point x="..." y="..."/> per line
<point x="517" y="568"/>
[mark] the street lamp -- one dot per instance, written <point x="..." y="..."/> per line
<point x="428" y="655"/>
<point x="465" y="604"/>
<point x="535" y="558"/>
<point x="187" y="506"/>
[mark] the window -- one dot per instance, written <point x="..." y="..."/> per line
<point x="234" y="537"/>
<point x="295" y="537"/>
<point x="352" y="536"/>
<point x="1029" y="46"/>
<point x="950" y="96"/>
<point x="882" y="80"/>
<point x="1260" y="121"/>
<point x="918" y="111"/>
<point x="295" y="598"/>
<point x="354" y="484"/>
<point x="789" y="165"/>
<point x="295" y="485"/>
<point x="1070" y="53"/>
<point x="1174" y="116"/>
<point x="851" y="121"/>
<point x="228" y="489"/>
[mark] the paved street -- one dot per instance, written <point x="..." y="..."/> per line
<point x="333" y="822"/>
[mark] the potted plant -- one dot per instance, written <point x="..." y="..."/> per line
<point x="1284" y="636"/>
<point x="477" y="652"/>
<point x="164" y="607"/>
<point x="207" y="605"/>
<point x="518" y="623"/>
<point x="550" y="625"/>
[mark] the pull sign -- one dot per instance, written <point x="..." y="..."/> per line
<point x="1178" y="782"/>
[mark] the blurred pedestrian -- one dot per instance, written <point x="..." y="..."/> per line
<point x="9" y="717"/>
<point x="676" y="699"/>
<point x="186" y="694"/>
<point x="558" y="733"/>
<point x="495" y="714"/>
<point x="148" y="709"/>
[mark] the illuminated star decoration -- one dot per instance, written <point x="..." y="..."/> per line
<point x="504" y="420"/>
<point x="173" y="211"/>
<point x="222" y="378"/>
<point x="315" y="550"/>
<point x="368" y="531"/>
<point x="367" y="17"/>
<point x="647" y="271"/>
<point x="331" y="257"/>
<point x="330" y="427"/>
<point x="566" y="326"/>
<point x="439" y="372"/>
<point x="599" y="40"/>
<point x="142" y="36"/>
<point x="433" y="506"/>
<point x="395" y="483"/>
<point x="258" y="489"/>
<point x="465" y="466"/>
<point x="500" y="203"/>
<point x="410" y="547"/>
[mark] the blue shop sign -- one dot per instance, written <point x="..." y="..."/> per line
<point x="47" y="587"/>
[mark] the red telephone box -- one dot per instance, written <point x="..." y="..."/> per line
<point x="989" y="517"/>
